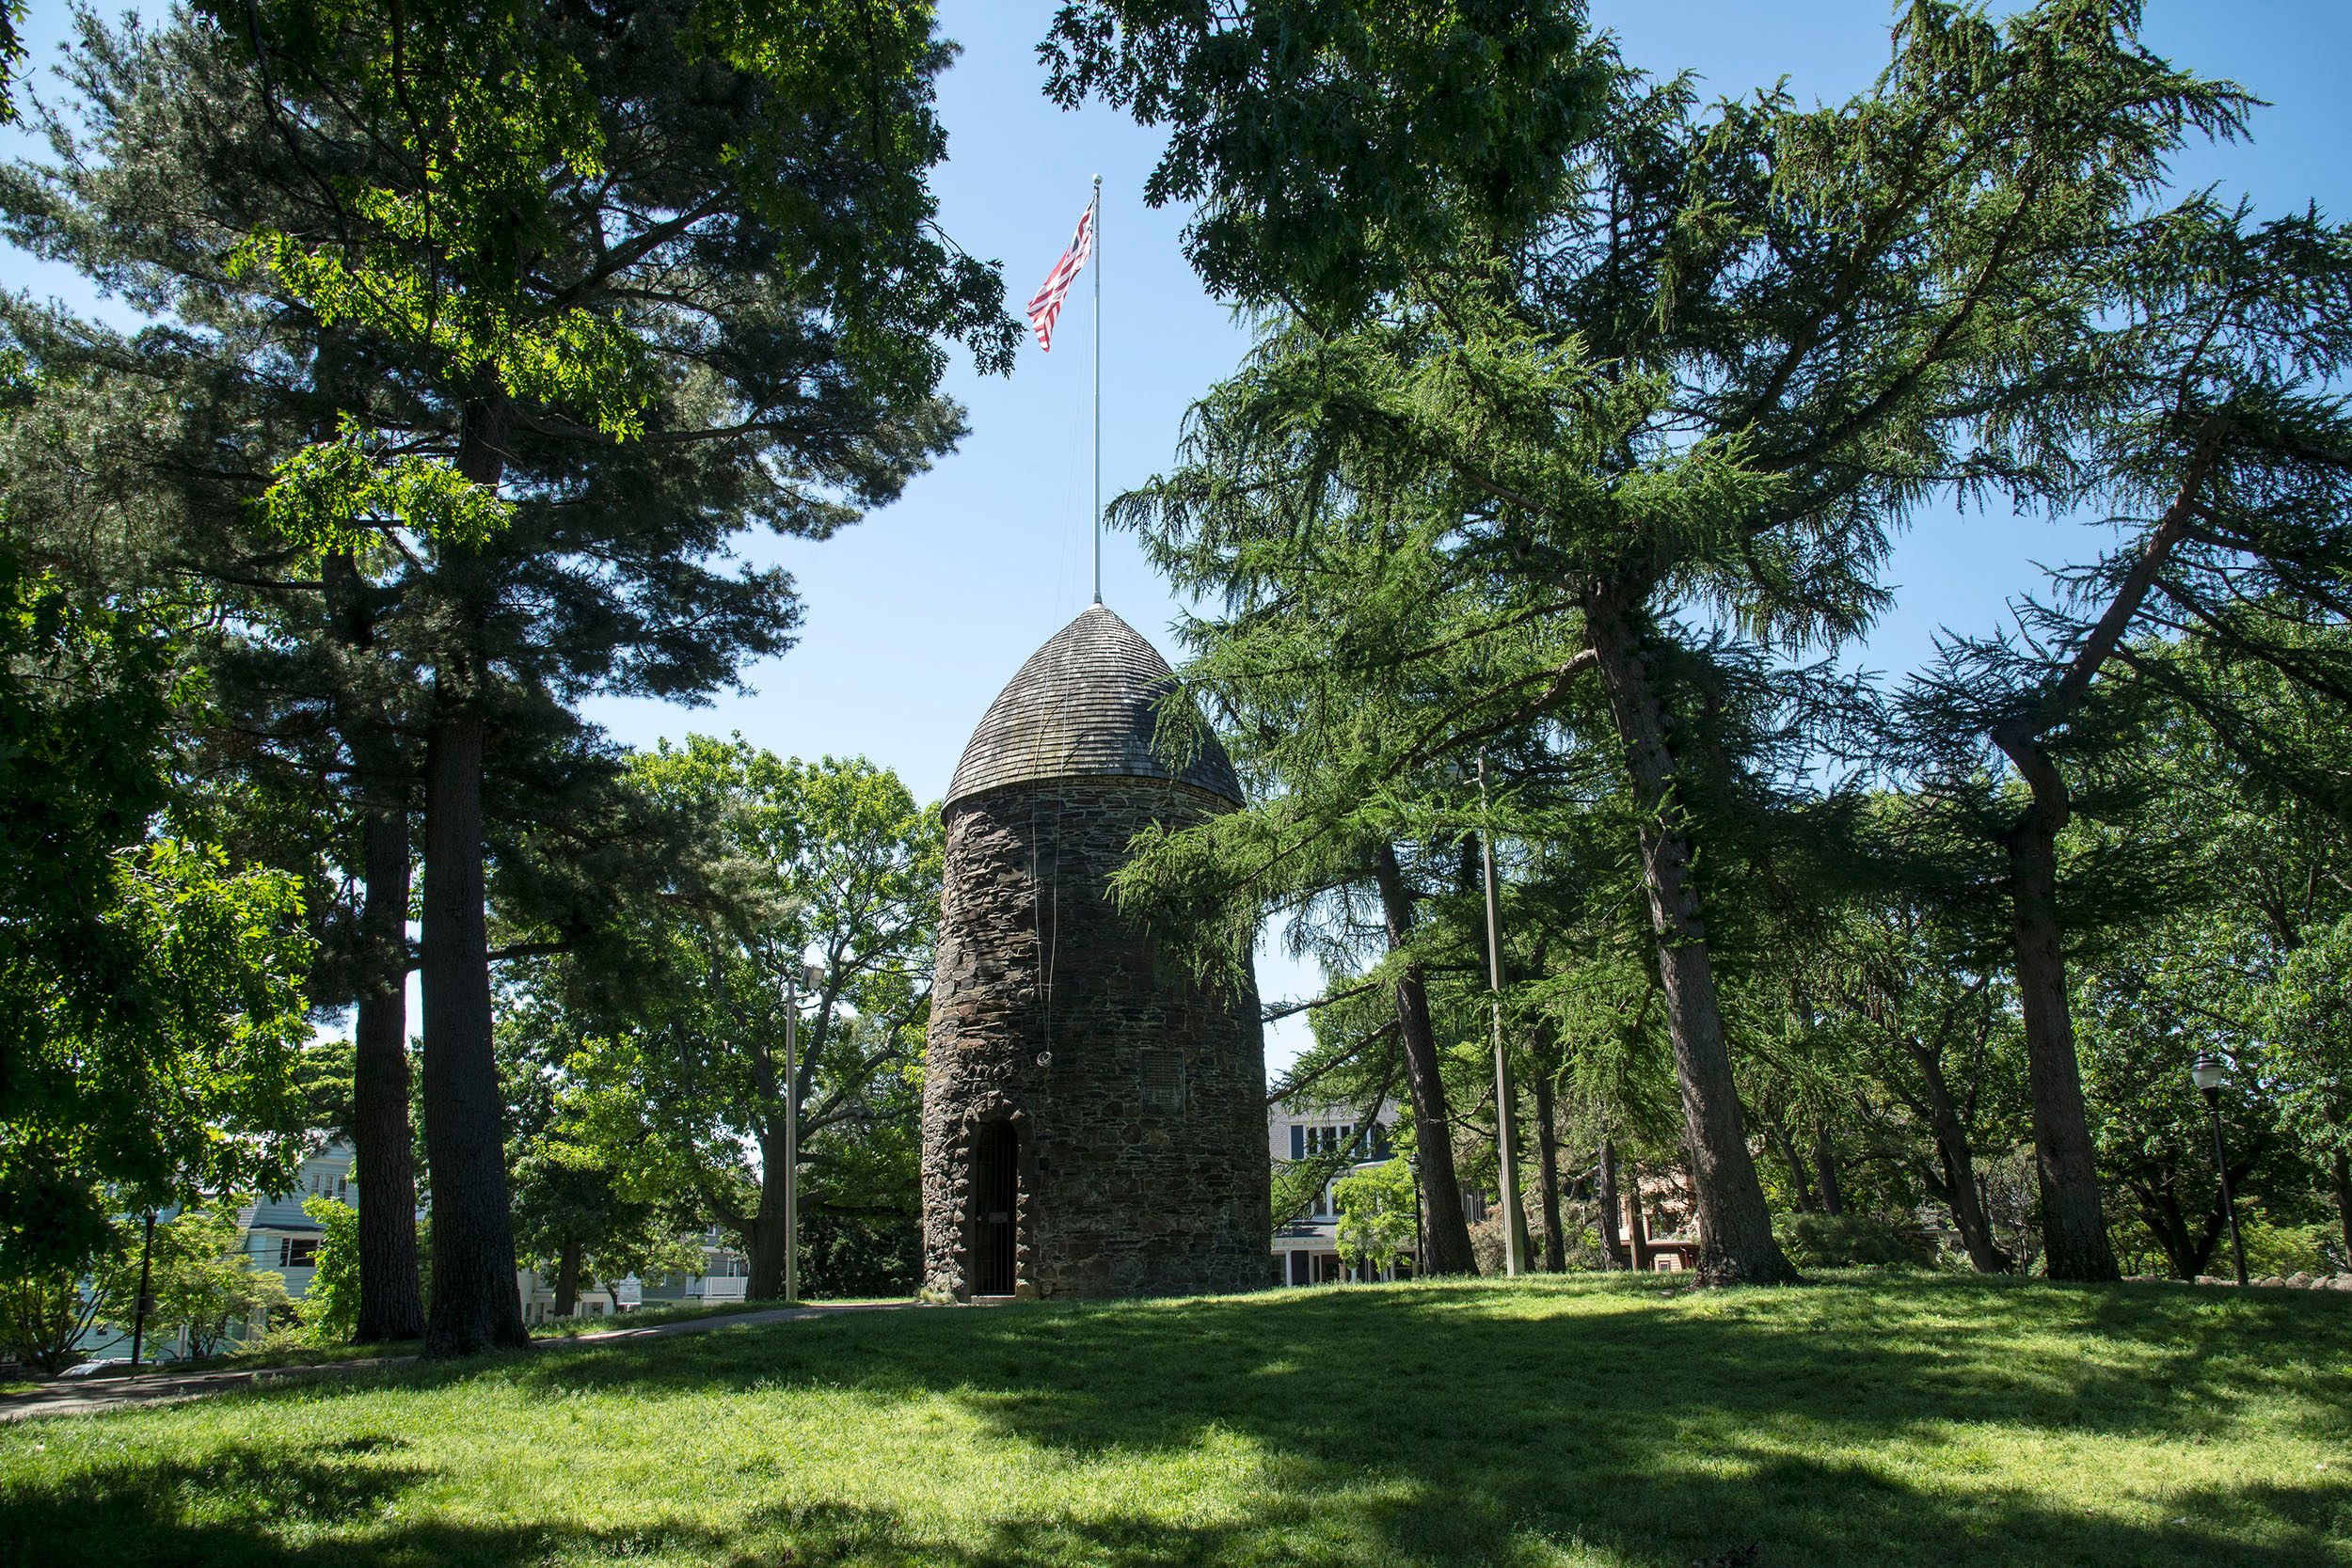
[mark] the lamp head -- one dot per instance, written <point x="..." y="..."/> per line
<point x="2210" y="1071"/>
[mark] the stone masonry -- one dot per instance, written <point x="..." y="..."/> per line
<point x="1137" y="1095"/>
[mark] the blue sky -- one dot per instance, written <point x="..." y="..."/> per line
<point x="916" y="617"/>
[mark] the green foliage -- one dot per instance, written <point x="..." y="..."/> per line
<point x="855" y="1255"/>
<point x="180" y="1080"/>
<point x="572" y="1206"/>
<point x="1293" y="124"/>
<point x="2306" y="1059"/>
<point x="204" y="1281"/>
<point x="323" y="1079"/>
<point x="150" y="1000"/>
<point x="831" y="863"/>
<point x="1377" y="1206"/>
<point x="1579" y="423"/>
<point x="329" y="1308"/>
<point x="11" y="56"/>
<point x="47" y="1313"/>
<point x="475" y="142"/>
<point x="1818" y="1240"/>
<point x="334" y="496"/>
<point x="2280" y="1251"/>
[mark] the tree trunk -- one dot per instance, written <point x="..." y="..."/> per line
<point x="383" y="1141"/>
<point x="2074" y="1229"/>
<point x="1447" y="1228"/>
<point x="1735" y="1244"/>
<point x="568" y="1279"/>
<point x="767" y="1251"/>
<point x="1800" y="1181"/>
<point x="383" y="1148"/>
<point x="1547" y="1177"/>
<point x="2186" y="1253"/>
<point x="1825" y="1165"/>
<point x="1964" y="1194"/>
<point x="1605" y="1220"/>
<point x="475" y="1305"/>
<point x="1636" y="1223"/>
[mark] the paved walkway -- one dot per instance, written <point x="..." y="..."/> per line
<point x="87" y="1395"/>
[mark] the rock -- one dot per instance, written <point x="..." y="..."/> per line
<point x="2341" y="1282"/>
<point x="2271" y="1282"/>
<point x="2211" y="1279"/>
<point x="2302" y="1279"/>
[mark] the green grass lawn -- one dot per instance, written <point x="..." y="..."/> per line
<point x="1931" y="1420"/>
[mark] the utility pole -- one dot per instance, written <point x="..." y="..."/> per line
<point x="813" y="976"/>
<point x="792" y="1132"/>
<point x="1507" y="1097"/>
<point x="145" y="1304"/>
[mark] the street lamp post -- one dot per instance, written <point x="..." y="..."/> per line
<point x="812" y="975"/>
<point x="1420" y="1207"/>
<point x="2210" y="1073"/>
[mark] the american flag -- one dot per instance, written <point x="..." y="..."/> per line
<point x="1047" y="304"/>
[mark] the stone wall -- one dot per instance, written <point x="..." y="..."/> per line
<point x="1139" y="1096"/>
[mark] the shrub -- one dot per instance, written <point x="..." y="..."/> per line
<point x="205" y="1283"/>
<point x="1817" y="1241"/>
<point x="845" y="1255"/>
<point x="329" y="1309"/>
<point x="2278" y="1249"/>
<point x="1378" y="1208"/>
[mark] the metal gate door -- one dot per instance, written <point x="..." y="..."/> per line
<point x="995" y="1207"/>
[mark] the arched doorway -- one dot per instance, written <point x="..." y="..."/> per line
<point x="995" y="1207"/>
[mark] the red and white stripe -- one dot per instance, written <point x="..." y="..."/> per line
<point x="1047" y="304"/>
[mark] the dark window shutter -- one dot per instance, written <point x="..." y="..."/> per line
<point x="1298" y="1141"/>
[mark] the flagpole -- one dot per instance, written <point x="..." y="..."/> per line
<point x="1098" y="388"/>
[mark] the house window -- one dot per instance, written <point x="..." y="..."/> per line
<point x="296" y="1254"/>
<point x="1380" y="1147"/>
<point x="1327" y="1140"/>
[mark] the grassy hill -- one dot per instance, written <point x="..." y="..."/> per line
<point x="1927" y="1420"/>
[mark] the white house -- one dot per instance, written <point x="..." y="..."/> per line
<point x="1306" y="1248"/>
<point x="279" y="1237"/>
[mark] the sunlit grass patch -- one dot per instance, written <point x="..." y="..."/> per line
<point x="1583" y="1422"/>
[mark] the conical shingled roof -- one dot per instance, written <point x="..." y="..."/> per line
<point x="1085" y="706"/>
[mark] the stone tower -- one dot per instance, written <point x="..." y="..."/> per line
<point x="1094" y="1120"/>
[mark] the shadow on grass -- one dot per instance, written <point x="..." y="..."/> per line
<point x="1436" y="1424"/>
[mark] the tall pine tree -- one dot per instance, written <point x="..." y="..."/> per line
<point x="1663" y="380"/>
<point x="618" y="283"/>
